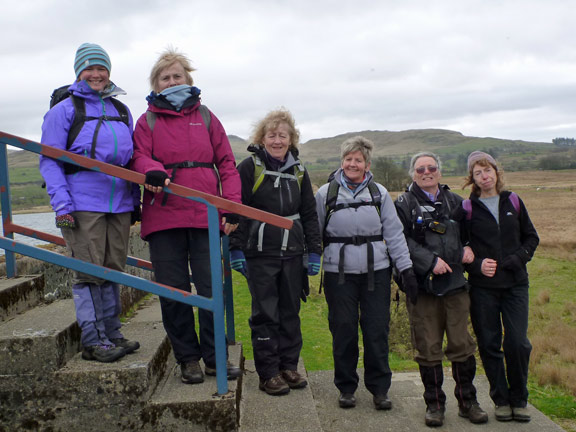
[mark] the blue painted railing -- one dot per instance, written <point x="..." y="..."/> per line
<point x="220" y="304"/>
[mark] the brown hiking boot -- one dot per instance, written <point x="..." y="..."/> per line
<point x="275" y="386"/>
<point x="434" y="416"/>
<point x="473" y="412"/>
<point x="294" y="379"/>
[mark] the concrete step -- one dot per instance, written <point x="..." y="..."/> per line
<point x="40" y="340"/>
<point x="260" y="412"/>
<point x="20" y="294"/>
<point x="177" y="406"/>
<point x="98" y="396"/>
<point x="408" y="409"/>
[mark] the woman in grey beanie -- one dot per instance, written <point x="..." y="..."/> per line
<point x="503" y="239"/>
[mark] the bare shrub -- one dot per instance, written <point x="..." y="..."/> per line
<point x="543" y="297"/>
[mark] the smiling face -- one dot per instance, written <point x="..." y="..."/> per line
<point x="354" y="166"/>
<point x="426" y="174"/>
<point x="171" y="76"/>
<point x="486" y="178"/>
<point x="277" y="141"/>
<point x="96" y="76"/>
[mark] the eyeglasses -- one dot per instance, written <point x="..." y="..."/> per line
<point x="431" y="168"/>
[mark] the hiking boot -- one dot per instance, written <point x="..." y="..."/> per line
<point x="521" y="414"/>
<point x="382" y="402"/>
<point x="275" y="386"/>
<point x="103" y="353"/>
<point x="503" y="413"/>
<point x="434" y="416"/>
<point x="347" y="400"/>
<point x="294" y="379"/>
<point x="128" y="345"/>
<point x="232" y="371"/>
<point x="473" y="412"/>
<point x="191" y="373"/>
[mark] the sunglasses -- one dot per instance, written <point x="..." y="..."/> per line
<point x="432" y="169"/>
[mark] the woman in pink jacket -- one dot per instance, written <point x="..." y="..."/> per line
<point x="179" y="140"/>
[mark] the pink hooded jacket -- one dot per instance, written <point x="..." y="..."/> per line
<point x="179" y="137"/>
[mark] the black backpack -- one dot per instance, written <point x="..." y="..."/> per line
<point x="80" y="116"/>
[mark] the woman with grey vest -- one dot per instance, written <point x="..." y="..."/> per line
<point x="361" y="235"/>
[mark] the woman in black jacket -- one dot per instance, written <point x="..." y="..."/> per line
<point x="271" y="258"/>
<point x="503" y="239"/>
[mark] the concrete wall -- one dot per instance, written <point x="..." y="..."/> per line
<point x="59" y="279"/>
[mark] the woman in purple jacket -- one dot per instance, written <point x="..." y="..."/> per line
<point x="93" y="209"/>
<point x="179" y="140"/>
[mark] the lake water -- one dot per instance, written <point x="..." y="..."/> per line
<point x="39" y="221"/>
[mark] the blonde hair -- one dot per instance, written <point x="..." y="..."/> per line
<point x="167" y="59"/>
<point x="484" y="163"/>
<point x="271" y="122"/>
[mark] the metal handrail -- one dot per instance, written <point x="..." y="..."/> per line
<point x="213" y="203"/>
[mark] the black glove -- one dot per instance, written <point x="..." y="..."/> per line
<point x="156" y="178"/>
<point x="66" y="221"/>
<point x="410" y="284"/>
<point x="231" y="218"/>
<point x="136" y="215"/>
<point x="512" y="263"/>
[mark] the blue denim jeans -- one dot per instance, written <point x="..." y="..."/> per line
<point x="503" y="314"/>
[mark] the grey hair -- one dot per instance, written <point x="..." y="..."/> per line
<point x="357" y="143"/>
<point x="424" y="154"/>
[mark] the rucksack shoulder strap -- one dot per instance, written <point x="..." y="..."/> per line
<point x="79" y="119"/>
<point x="206" y="116"/>
<point x="151" y="119"/>
<point x="467" y="205"/>
<point x="122" y="111"/>
<point x="515" y="201"/>
<point x="258" y="172"/>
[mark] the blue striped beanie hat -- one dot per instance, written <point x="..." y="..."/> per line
<point x="89" y="54"/>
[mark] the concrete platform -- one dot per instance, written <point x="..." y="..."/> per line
<point x="408" y="409"/>
<point x="260" y="412"/>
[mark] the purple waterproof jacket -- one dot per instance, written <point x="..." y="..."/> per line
<point x="178" y="137"/>
<point x="89" y="190"/>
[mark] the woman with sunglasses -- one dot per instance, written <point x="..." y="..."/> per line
<point x="441" y="304"/>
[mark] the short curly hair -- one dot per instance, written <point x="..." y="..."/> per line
<point x="166" y="59"/>
<point x="271" y="122"/>
<point x="357" y="143"/>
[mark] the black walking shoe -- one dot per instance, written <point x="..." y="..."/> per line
<point x="191" y="373"/>
<point x="434" y="416"/>
<point x="382" y="402"/>
<point x="473" y="412"/>
<point x="128" y="345"/>
<point x="294" y="379"/>
<point x="275" y="386"/>
<point x="232" y="371"/>
<point x="103" y="353"/>
<point x="347" y="400"/>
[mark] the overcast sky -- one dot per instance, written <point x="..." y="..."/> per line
<point x="504" y="69"/>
